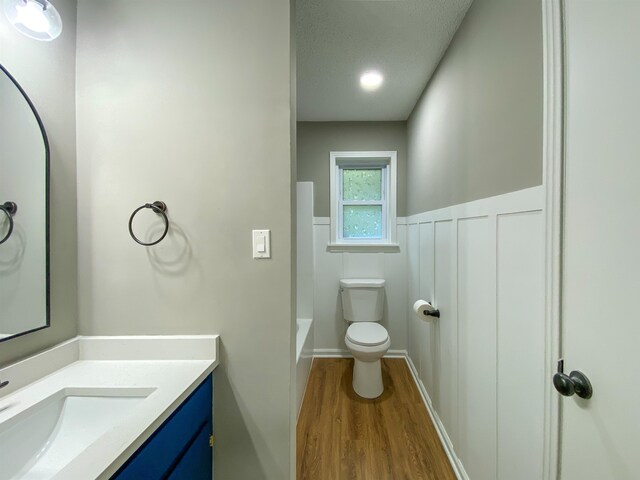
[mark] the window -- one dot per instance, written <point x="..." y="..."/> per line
<point x="363" y="199"/>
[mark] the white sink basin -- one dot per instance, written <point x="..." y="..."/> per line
<point x="40" y="441"/>
<point x="81" y="409"/>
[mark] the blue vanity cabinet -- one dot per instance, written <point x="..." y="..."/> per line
<point x="179" y="448"/>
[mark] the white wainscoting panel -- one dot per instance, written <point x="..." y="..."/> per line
<point x="482" y="363"/>
<point x="477" y="346"/>
<point x="329" y="328"/>
<point x="446" y="351"/>
<point x="395" y="305"/>
<point x="363" y="265"/>
<point x="427" y="330"/>
<point x="330" y="267"/>
<point x="413" y="269"/>
<point x="521" y="345"/>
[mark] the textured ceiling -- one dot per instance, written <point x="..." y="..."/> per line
<point x="339" y="39"/>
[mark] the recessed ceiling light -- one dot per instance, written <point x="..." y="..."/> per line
<point x="371" y="80"/>
<point x="36" y="19"/>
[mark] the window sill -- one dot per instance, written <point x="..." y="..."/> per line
<point x="363" y="247"/>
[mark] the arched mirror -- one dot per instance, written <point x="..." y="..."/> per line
<point x="24" y="215"/>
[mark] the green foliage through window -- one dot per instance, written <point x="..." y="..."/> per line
<point x="361" y="184"/>
<point x="362" y="221"/>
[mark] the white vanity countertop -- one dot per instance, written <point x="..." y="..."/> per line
<point x="171" y="365"/>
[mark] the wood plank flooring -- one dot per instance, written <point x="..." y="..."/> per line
<point x="341" y="436"/>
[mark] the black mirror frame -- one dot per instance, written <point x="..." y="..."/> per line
<point x="45" y="139"/>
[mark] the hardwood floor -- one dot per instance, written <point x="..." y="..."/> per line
<point x="342" y="436"/>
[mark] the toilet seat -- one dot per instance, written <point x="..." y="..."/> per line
<point x="367" y="334"/>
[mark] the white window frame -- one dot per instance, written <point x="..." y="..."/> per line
<point x="364" y="159"/>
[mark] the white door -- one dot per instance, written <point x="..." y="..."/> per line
<point x="600" y="437"/>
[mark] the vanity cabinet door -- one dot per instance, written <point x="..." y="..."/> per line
<point x="196" y="463"/>
<point x="163" y="454"/>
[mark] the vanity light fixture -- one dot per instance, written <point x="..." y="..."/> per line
<point x="371" y="80"/>
<point x="37" y="19"/>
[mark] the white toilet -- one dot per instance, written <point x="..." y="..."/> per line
<point x="366" y="339"/>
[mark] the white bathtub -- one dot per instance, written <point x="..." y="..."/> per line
<point x="304" y="355"/>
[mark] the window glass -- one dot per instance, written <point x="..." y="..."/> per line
<point x="362" y="221"/>
<point x="361" y="184"/>
<point x="363" y="198"/>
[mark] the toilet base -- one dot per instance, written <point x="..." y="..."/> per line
<point x="367" y="378"/>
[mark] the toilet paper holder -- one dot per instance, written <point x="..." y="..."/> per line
<point x="424" y="309"/>
<point x="434" y="312"/>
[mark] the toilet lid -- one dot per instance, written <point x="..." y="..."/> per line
<point x="367" y="333"/>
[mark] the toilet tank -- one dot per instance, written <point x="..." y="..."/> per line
<point x="362" y="299"/>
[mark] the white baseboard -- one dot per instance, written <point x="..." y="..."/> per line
<point x="396" y="354"/>
<point x="456" y="464"/>
<point x="331" y="353"/>
<point x="343" y="353"/>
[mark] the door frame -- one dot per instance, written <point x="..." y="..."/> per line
<point x="553" y="181"/>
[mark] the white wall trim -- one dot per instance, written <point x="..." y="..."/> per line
<point x="331" y="353"/>
<point x="343" y="353"/>
<point x="396" y="354"/>
<point x="363" y="247"/>
<point x="327" y="220"/>
<point x="529" y="199"/>
<point x="495" y="214"/>
<point x="553" y="159"/>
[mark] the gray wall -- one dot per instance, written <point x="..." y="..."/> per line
<point x="317" y="139"/>
<point x="46" y="70"/>
<point x="477" y="130"/>
<point x="191" y="106"/>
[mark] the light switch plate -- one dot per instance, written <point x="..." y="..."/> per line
<point x="262" y="244"/>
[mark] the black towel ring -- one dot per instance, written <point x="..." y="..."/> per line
<point x="9" y="209"/>
<point x="161" y="209"/>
